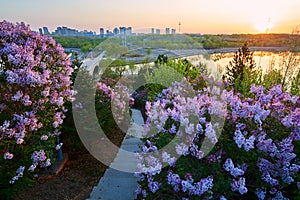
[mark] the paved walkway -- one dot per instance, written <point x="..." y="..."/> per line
<point x="118" y="182"/>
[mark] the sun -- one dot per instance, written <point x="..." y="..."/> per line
<point x="263" y="26"/>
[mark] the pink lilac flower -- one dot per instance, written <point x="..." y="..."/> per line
<point x="8" y="156"/>
<point x="20" y="141"/>
<point x="44" y="137"/>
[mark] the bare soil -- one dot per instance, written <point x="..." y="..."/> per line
<point x="80" y="174"/>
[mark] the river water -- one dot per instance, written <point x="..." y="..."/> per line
<point x="217" y="62"/>
<point x="265" y="60"/>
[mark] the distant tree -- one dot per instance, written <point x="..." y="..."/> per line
<point x="132" y="67"/>
<point x="149" y="51"/>
<point x="242" y="58"/>
<point x="119" y="66"/>
<point x="161" y="59"/>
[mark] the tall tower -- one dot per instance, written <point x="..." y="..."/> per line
<point x="179" y="24"/>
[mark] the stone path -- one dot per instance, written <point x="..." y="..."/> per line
<point x="118" y="182"/>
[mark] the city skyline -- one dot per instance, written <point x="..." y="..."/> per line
<point x="195" y="16"/>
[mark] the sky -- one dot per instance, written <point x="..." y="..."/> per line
<point x="196" y="16"/>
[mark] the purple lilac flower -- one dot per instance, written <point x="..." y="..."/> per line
<point x="173" y="129"/>
<point x="174" y="180"/>
<point x="268" y="179"/>
<point x="138" y="190"/>
<point x="19" y="172"/>
<point x="204" y="185"/>
<point x="260" y="193"/>
<point x="17" y="96"/>
<point x="182" y="149"/>
<point x="239" y="185"/>
<point x="167" y="158"/>
<point x="58" y="147"/>
<point x="279" y="196"/>
<point x="234" y="171"/>
<point x="154" y="186"/>
<point x="239" y="138"/>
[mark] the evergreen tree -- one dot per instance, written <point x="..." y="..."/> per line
<point x="242" y="58"/>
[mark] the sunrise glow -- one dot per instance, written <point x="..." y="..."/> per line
<point x="196" y="16"/>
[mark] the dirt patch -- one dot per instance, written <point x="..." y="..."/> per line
<point x="80" y="174"/>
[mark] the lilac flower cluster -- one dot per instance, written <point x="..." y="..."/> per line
<point x="278" y="166"/>
<point x="265" y="129"/>
<point x="185" y="107"/>
<point x="36" y="74"/>
<point x="119" y="97"/>
<point x="188" y="185"/>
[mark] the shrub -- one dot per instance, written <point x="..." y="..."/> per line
<point x="166" y="72"/>
<point x="255" y="157"/>
<point x="34" y="84"/>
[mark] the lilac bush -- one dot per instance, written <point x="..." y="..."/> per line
<point x="34" y="84"/>
<point x="189" y="154"/>
<point x="118" y="98"/>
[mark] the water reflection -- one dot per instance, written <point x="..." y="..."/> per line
<point x="217" y="62"/>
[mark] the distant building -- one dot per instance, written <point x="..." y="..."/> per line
<point x="116" y="31"/>
<point x="41" y="31"/>
<point x="152" y="31"/>
<point x="157" y="31"/>
<point x="129" y="31"/>
<point x="101" y="32"/>
<point x="173" y="31"/>
<point x="46" y="31"/>
<point x="122" y="30"/>
<point x="125" y="30"/>
<point x="167" y="31"/>
<point x="65" y="31"/>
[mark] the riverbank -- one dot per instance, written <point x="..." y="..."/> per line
<point x="140" y="55"/>
<point x="193" y="52"/>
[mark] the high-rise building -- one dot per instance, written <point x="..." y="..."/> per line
<point x="41" y="31"/>
<point x="173" y="31"/>
<point x="167" y="31"/>
<point x="101" y="32"/>
<point x="122" y="30"/>
<point x="157" y="31"/>
<point x="152" y="31"/>
<point x="46" y="31"/>
<point x="116" y="31"/>
<point x="129" y="30"/>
